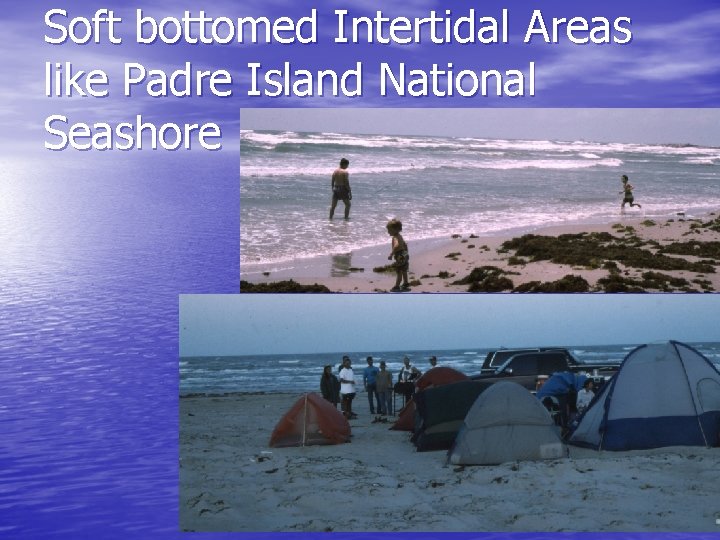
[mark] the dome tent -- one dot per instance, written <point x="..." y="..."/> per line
<point x="506" y="423"/>
<point x="310" y="421"/>
<point x="430" y="380"/>
<point x="441" y="411"/>
<point x="664" y="394"/>
<point x="439" y="376"/>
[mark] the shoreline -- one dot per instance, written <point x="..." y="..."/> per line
<point x="301" y="265"/>
<point x="437" y="264"/>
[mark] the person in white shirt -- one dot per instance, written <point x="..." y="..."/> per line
<point x="585" y="395"/>
<point x="406" y="380"/>
<point x="347" y="388"/>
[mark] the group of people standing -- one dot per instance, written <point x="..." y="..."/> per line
<point x="377" y="382"/>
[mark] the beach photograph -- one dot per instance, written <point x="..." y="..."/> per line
<point x="487" y="200"/>
<point x="268" y="444"/>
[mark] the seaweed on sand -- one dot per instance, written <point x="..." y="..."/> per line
<point x="517" y="261"/>
<point x="658" y="280"/>
<point x="592" y="250"/>
<point x="694" y="248"/>
<point x="288" y="286"/>
<point x="650" y="281"/>
<point x="486" y="279"/>
<point x="615" y="283"/>
<point x="387" y="269"/>
<point x="713" y="225"/>
<point x="704" y="284"/>
<point x="567" y="284"/>
<point x="443" y="274"/>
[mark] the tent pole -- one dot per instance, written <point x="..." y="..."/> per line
<point x="304" y="427"/>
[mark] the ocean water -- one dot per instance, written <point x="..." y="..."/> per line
<point x="442" y="186"/>
<point x="301" y="372"/>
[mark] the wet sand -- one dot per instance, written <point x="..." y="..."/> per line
<point x="437" y="265"/>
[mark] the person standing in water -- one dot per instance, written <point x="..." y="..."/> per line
<point x="627" y="193"/>
<point x="340" y="185"/>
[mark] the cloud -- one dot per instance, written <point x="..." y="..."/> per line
<point x="670" y="52"/>
<point x="674" y="60"/>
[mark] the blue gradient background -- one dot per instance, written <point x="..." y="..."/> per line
<point x="95" y="248"/>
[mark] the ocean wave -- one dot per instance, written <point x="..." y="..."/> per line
<point x="551" y="164"/>
<point x="305" y="375"/>
<point x="481" y="186"/>
<point x="290" y="141"/>
<point x="275" y="171"/>
<point x="295" y="171"/>
<point x="703" y="160"/>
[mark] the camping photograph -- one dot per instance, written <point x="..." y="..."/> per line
<point x="480" y="200"/>
<point x="449" y="413"/>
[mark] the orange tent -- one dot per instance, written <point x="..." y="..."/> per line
<point x="311" y="420"/>
<point x="406" y="418"/>
<point x="438" y="376"/>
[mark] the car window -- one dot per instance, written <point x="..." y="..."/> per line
<point x="553" y="363"/>
<point x="523" y="365"/>
<point x="500" y="357"/>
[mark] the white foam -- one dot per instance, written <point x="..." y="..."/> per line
<point x="399" y="142"/>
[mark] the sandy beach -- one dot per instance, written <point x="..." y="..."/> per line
<point x="634" y="254"/>
<point x="230" y="480"/>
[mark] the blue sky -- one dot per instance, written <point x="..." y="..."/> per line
<point x="278" y="324"/>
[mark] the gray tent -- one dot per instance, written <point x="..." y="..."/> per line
<point x="506" y="423"/>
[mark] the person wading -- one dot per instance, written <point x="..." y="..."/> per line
<point x="340" y="185"/>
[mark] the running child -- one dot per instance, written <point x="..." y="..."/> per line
<point x="627" y="193"/>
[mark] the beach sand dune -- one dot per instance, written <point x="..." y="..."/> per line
<point x="230" y="480"/>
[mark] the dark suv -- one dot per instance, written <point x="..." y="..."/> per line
<point x="525" y="367"/>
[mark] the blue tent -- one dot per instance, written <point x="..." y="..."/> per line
<point x="665" y="394"/>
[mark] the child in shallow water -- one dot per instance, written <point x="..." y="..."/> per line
<point x="627" y="193"/>
<point x="400" y="254"/>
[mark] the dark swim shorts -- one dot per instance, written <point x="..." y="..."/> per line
<point x="341" y="193"/>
